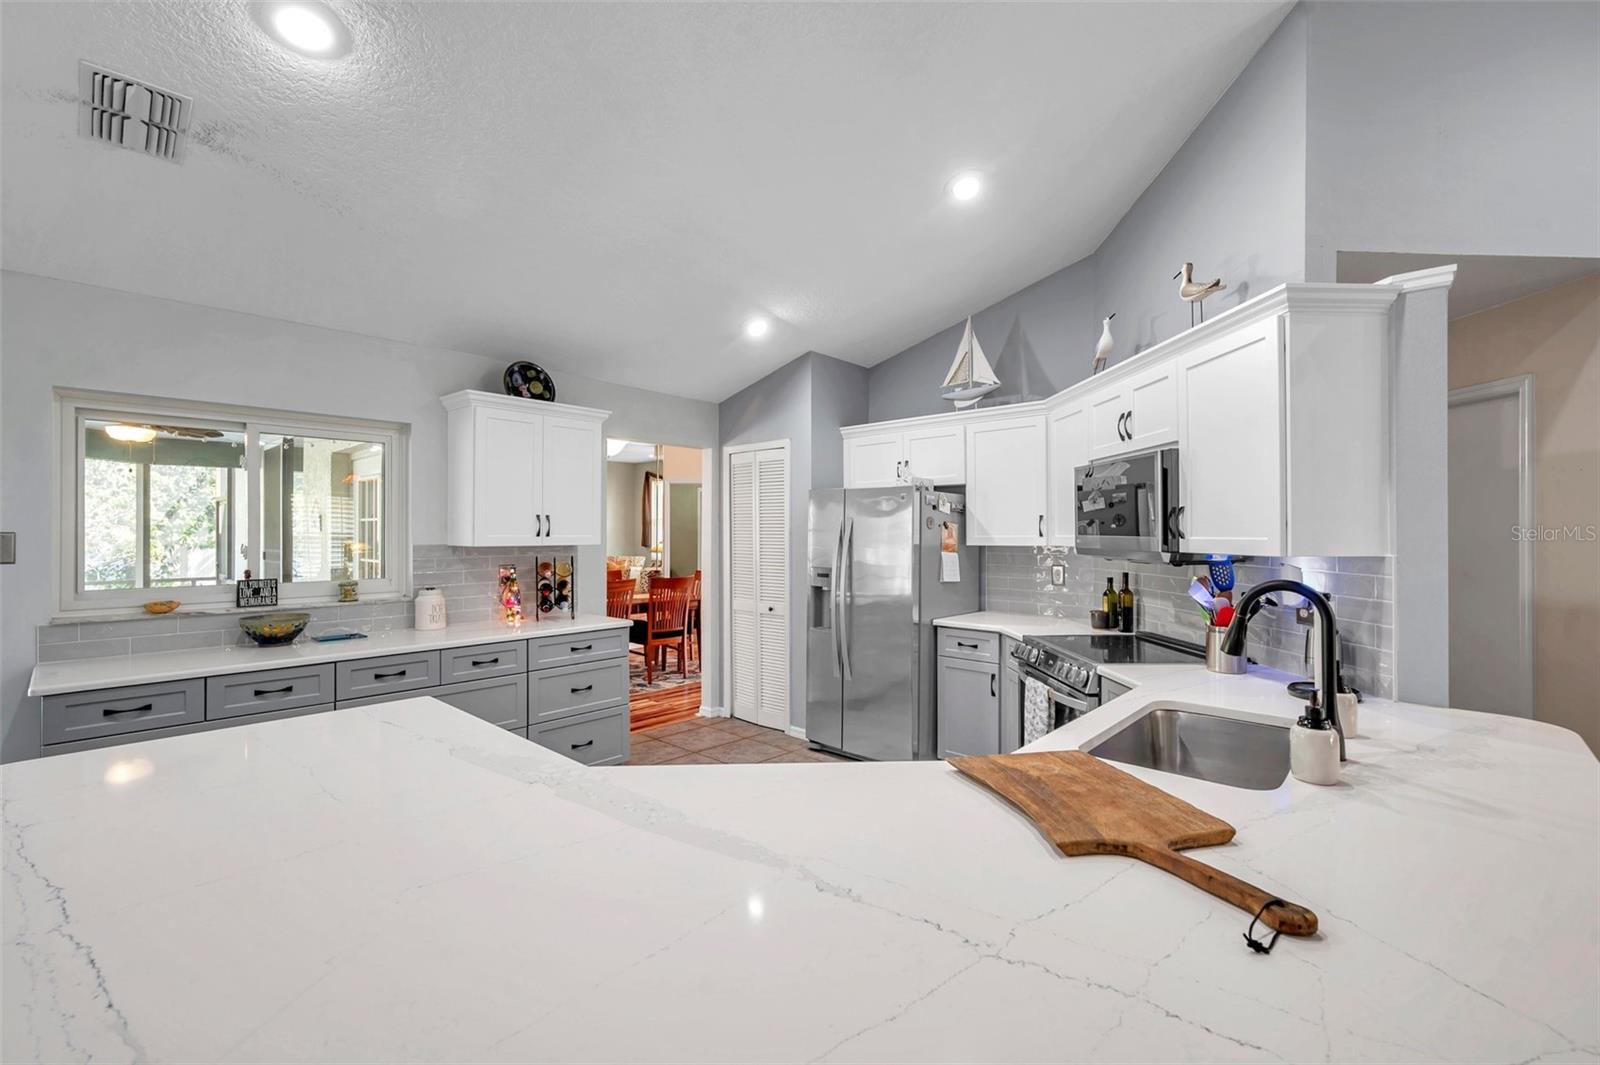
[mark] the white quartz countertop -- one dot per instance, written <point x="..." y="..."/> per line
<point x="53" y="678"/>
<point x="1019" y="625"/>
<point x="407" y="883"/>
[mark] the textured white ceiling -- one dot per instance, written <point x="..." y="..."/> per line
<point x="610" y="188"/>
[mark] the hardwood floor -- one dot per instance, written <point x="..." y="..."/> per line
<point x="663" y="706"/>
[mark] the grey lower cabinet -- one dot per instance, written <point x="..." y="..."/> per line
<point x="969" y="703"/>
<point x="1010" y="699"/>
<point x="567" y="693"/>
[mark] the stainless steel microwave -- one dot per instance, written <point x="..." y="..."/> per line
<point x="1127" y="507"/>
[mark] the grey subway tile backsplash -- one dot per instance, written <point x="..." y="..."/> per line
<point x="468" y="576"/>
<point x="1017" y="579"/>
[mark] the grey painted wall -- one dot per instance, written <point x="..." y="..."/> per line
<point x="1462" y="128"/>
<point x="624" y="494"/>
<point x="838" y="398"/>
<point x="1232" y="200"/>
<point x="57" y="333"/>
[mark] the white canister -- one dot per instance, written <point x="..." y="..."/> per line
<point x="1349" y="714"/>
<point x="1314" y="754"/>
<point x="429" y="606"/>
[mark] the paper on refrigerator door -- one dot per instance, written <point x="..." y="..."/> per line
<point x="949" y="553"/>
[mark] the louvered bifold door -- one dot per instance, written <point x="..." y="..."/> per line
<point x="772" y="585"/>
<point x="744" y="653"/>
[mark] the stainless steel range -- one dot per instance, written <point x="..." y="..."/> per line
<point x="1069" y="666"/>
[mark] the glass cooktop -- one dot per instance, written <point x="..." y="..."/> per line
<point x="1120" y="649"/>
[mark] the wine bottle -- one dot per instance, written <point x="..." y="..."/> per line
<point x="1125" y="605"/>
<point x="1110" y="604"/>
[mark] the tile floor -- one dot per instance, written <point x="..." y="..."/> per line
<point x="713" y="740"/>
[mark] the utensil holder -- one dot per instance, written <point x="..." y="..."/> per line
<point x="1216" y="660"/>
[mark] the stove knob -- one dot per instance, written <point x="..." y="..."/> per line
<point x="1079" y="675"/>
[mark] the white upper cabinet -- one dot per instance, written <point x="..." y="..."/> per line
<point x="521" y="472"/>
<point x="1006" y="481"/>
<point x="1067" y="431"/>
<point x="936" y="453"/>
<point x="1139" y="413"/>
<point x="1230" y="478"/>
<point x="873" y="461"/>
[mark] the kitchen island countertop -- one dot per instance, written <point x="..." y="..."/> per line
<point x="405" y="882"/>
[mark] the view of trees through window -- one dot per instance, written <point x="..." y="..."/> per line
<point x="167" y="506"/>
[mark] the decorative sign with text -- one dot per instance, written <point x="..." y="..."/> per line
<point x="259" y="592"/>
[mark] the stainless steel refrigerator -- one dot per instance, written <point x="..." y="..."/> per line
<point x="876" y="582"/>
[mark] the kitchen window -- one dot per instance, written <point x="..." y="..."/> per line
<point x="174" y="500"/>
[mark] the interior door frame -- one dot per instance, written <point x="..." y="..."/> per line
<point x="725" y="577"/>
<point x="1519" y="387"/>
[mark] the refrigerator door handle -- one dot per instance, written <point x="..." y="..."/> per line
<point x="846" y="574"/>
<point x="836" y="598"/>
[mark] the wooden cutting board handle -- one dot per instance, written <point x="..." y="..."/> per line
<point x="1285" y="917"/>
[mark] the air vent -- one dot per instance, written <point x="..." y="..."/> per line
<point x="127" y="113"/>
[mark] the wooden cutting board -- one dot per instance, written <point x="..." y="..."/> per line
<point x="1086" y="806"/>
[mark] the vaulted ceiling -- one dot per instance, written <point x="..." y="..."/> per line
<point x="610" y="188"/>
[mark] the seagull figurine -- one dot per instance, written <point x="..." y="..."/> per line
<point x="1194" y="292"/>
<point x="1102" y="349"/>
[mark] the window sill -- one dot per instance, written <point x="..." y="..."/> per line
<point x="137" y="613"/>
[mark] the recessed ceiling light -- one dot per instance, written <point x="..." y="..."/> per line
<point x="131" y="434"/>
<point x="757" y="327"/>
<point x="964" y="187"/>
<point x="306" y="26"/>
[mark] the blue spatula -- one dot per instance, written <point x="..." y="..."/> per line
<point x="1222" y="575"/>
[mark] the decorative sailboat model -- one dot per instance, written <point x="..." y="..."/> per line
<point x="970" y="377"/>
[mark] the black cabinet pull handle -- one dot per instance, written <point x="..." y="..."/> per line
<point x="577" y="650"/>
<point x="495" y="661"/>
<point x="547" y="525"/>
<point x="992" y="692"/>
<point x="274" y="691"/>
<point x="109" y="712"/>
<point x="581" y="746"/>
<point x="968" y="646"/>
<point x="388" y="676"/>
<point x="585" y="688"/>
<point x="1121" y="416"/>
<point x="1130" y="425"/>
<point x="1041" y="526"/>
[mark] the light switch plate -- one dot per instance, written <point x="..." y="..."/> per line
<point x="8" y="548"/>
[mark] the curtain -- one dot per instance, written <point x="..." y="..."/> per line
<point x="647" y="524"/>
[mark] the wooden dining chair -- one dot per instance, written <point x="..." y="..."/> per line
<point x="619" y="597"/>
<point x="694" y="618"/>
<point x="665" y="624"/>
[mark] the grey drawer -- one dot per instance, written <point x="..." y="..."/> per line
<point x="483" y="660"/>
<point x="500" y="701"/>
<point x="113" y="711"/>
<point x="363" y="677"/>
<point x="973" y="646"/>
<point x="272" y="689"/>
<point x="596" y="738"/>
<point x="180" y="730"/>
<point x="574" y="689"/>
<point x="547" y="651"/>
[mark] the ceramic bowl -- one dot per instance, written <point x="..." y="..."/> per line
<point x="268" y="630"/>
<point x="161" y="606"/>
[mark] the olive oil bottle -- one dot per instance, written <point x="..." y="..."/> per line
<point x="1125" y="606"/>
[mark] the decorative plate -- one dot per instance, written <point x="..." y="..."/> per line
<point x="529" y="381"/>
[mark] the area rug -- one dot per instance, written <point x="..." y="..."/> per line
<point x="668" y="678"/>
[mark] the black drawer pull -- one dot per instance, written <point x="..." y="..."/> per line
<point x="968" y="646"/>
<point x="109" y="712"/>
<point x="585" y="688"/>
<point x="581" y="746"/>
<point x="274" y="691"/>
<point x="585" y="647"/>
<point x="388" y="676"/>
<point x="495" y="661"/>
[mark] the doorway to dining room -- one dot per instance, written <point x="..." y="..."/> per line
<point x="654" y="528"/>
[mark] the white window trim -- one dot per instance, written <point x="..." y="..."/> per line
<point x="70" y="404"/>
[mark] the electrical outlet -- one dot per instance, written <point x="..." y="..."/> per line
<point x="8" y="548"/>
<point x="1058" y="574"/>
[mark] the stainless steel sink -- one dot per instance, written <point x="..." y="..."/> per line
<point x="1241" y="754"/>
